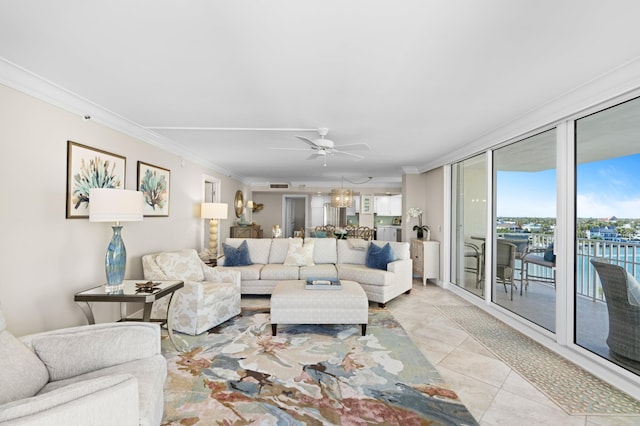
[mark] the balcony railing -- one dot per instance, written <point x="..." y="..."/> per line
<point x="625" y="254"/>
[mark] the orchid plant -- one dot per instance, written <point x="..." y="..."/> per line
<point x="414" y="212"/>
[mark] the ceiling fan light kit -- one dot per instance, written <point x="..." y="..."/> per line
<point x="322" y="147"/>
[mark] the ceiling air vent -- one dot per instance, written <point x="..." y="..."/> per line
<point x="279" y="185"/>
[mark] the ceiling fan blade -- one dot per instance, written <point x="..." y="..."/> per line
<point x="353" y="147"/>
<point x="308" y="141"/>
<point x="291" y="149"/>
<point x="354" y="157"/>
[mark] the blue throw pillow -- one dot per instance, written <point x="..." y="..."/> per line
<point x="548" y="254"/>
<point x="378" y="257"/>
<point x="236" y="256"/>
<point x="321" y="234"/>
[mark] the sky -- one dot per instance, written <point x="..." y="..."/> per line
<point x="605" y="188"/>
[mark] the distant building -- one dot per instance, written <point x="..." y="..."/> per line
<point x="607" y="233"/>
<point x="532" y="227"/>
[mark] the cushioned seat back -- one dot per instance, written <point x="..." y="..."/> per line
<point x="22" y="374"/>
<point x="181" y="265"/>
<point x="325" y="250"/>
<point x="258" y="248"/>
<point x="279" y="247"/>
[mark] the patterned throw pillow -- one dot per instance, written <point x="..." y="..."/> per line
<point x="378" y="257"/>
<point x="236" y="256"/>
<point x="300" y="254"/>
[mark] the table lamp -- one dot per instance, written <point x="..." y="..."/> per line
<point x="250" y="206"/>
<point x="213" y="212"/>
<point x="115" y="205"/>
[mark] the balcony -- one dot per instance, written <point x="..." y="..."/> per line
<point x="538" y="300"/>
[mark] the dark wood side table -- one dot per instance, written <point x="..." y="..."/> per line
<point x="130" y="293"/>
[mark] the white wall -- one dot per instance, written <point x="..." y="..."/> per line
<point x="46" y="258"/>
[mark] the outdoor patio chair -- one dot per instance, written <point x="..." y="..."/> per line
<point x="506" y="263"/>
<point x="622" y="294"/>
<point x="544" y="266"/>
<point x="473" y="252"/>
<point x="522" y="244"/>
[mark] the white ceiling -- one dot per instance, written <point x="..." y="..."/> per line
<point x="413" y="79"/>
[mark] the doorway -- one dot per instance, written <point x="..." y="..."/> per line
<point x="294" y="214"/>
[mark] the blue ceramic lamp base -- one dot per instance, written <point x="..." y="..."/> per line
<point x="115" y="261"/>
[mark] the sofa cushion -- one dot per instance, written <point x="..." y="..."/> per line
<point x="378" y="257"/>
<point x="274" y="271"/>
<point x="236" y="256"/>
<point x="181" y="265"/>
<point x="323" y="270"/>
<point x="109" y="346"/>
<point x="399" y="250"/>
<point x="548" y="254"/>
<point x="365" y="275"/>
<point x="259" y="248"/>
<point x="633" y="290"/>
<point x="250" y="272"/>
<point x="300" y="254"/>
<point x="279" y="248"/>
<point x="22" y="374"/>
<point x="348" y="255"/>
<point x="325" y="250"/>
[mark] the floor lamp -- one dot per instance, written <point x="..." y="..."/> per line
<point x="213" y="212"/>
<point x="115" y="205"/>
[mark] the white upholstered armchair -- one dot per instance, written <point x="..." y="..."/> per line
<point x="210" y="296"/>
<point x="102" y="374"/>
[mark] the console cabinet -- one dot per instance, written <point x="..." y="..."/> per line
<point x="426" y="259"/>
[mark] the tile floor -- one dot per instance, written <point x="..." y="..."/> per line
<point x="491" y="390"/>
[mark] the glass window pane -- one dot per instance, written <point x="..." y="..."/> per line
<point x="469" y="219"/>
<point x="525" y="206"/>
<point x="608" y="227"/>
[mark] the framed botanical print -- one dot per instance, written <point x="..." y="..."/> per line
<point x="88" y="168"/>
<point x="153" y="182"/>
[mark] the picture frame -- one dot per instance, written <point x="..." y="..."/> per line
<point x="87" y="168"/>
<point x="366" y="204"/>
<point x="154" y="182"/>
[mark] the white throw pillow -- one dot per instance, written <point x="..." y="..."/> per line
<point x="300" y="254"/>
<point x="633" y="290"/>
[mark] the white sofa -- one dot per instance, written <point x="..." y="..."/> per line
<point x="103" y="374"/>
<point x="332" y="258"/>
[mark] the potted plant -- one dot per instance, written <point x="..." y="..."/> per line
<point x="420" y="228"/>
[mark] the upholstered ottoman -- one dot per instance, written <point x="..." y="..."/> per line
<point x="292" y="303"/>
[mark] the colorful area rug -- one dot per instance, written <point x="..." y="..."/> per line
<point x="574" y="389"/>
<point x="239" y="374"/>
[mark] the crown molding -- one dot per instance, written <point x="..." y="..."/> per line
<point x="23" y="80"/>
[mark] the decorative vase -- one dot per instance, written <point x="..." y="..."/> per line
<point x="420" y="233"/>
<point x="116" y="259"/>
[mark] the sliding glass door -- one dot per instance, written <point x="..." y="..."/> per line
<point x="524" y="176"/>
<point x="469" y="223"/>
<point x="608" y="227"/>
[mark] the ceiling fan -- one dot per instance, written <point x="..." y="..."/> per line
<point x="322" y="147"/>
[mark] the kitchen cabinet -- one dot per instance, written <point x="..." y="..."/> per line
<point x="386" y="233"/>
<point x="388" y="205"/>
<point x="426" y="259"/>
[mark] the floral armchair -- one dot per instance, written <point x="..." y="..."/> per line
<point x="210" y="296"/>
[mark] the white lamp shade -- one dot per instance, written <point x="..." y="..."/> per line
<point x="250" y="204"/>
<point x="115" y="205"/>
<point x="213" y="210"/>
